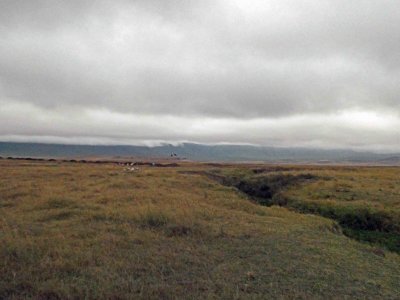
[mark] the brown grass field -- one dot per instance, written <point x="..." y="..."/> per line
<point x="96" y="231"/>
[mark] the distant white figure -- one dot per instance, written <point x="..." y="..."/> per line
<point x="132" y="169"/>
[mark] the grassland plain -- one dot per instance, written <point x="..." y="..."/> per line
<point x="70" y="230"/>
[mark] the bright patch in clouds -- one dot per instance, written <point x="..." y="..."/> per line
<point x="352" y="129"/>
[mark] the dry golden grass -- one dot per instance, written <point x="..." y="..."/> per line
<point x="377" y="187"/>
<point x="94" y="231"/>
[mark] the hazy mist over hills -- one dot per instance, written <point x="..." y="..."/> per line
<point x="195" y="152"/>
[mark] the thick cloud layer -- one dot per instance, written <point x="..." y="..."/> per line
<point x="285" y="72"/>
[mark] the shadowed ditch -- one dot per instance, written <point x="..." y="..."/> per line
<point x="361" y="223"/>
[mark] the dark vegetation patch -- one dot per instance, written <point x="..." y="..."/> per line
<point x="214" y="164"/>
<point x="389" y="240"/>
<point x="59" y="216"/>
<point x="270" y="169"/>
<point x="179" y="230"/>
<point x="58" y="203"/>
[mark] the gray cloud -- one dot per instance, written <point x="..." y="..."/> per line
<point x="224" y="62"/>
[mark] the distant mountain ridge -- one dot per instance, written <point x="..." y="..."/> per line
<point x="199" y="152"/>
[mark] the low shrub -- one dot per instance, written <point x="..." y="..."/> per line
<point x="152" y="218"/>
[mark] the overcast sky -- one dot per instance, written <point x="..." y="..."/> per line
<point x="311" y="73"/>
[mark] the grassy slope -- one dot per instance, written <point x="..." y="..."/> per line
<point x="75" y="230"/>
<point x="377" y="187"/>
<point x="365" y="201"/>
<point x="373" y="192"/>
